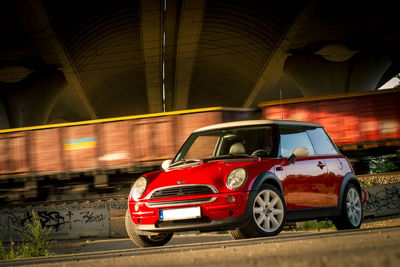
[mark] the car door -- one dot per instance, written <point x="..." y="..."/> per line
<point x="326" y="149"/>
<point x="305" y="183"/>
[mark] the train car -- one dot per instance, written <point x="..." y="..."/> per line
<point x="95" y="154"/>
<point x="362" y="124"/>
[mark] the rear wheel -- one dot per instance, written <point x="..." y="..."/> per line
<point x="145" y="240"/>
<point x="352" y="213"/>
<point x="267" y="217"/>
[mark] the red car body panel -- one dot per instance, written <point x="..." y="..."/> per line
<point x="203" y="173"/>
<point x="316" y="187"/>
<point x="313" y="182"/>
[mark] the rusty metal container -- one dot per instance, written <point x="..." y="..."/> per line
<point x="355" y="118"/>
<point x="46" y="151"/>
<point x="13" y="153"/>
<point x="116" y="143"/>
<point x="80" y="145"/>
<point x="153" y="139"/>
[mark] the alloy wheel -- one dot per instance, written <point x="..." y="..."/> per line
<point x="268" y="210"/>
<point x="354" y="209"/>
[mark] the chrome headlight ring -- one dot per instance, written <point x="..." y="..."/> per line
<point x="236" y="178"/>
<point x="138" y="187"/>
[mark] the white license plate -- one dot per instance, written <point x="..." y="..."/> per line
<point x="180" y="214"/>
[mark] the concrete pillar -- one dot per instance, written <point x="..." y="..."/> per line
<point x="367" y="71"/>
<point x="30" y="101"/>
<point x="190" y="26"/>
<point x="151" y="34"/>
<point x="320" y="75"/>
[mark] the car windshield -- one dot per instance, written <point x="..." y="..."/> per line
<point x="227" y="143"/>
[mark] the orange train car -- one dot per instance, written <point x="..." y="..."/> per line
<point x="99" y="149"/>
<point x="361" y="124"/>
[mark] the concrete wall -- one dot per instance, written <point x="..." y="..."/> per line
<point x="382" y="200"/>
<point x="68" y="221"/>
<point x="106" y="218"/>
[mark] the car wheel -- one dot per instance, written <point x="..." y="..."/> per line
<point x="145" y="240"/>
<point x="268" y="214"/>
<point x="351" y="213"/>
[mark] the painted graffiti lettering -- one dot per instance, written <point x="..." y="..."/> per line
<point x="51" y="219"/>
<point x="60" y="222"/>
<point x="383" y="200"/>
<point x="90" y="217"/>
<point x="47" y="219"/>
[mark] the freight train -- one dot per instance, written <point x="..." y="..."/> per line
<point x="105" y="156"/>
<point x="77" y="159"/>
<point x="362" y="124"/>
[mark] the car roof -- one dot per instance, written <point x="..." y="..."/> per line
<point x="254" y="123"/>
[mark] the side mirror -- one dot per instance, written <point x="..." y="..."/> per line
<point x="299" y="152"/>
<point x="165" y="165"/>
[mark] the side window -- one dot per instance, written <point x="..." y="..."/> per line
<point x="292" y="137"/>
<point x="322" y="144"/>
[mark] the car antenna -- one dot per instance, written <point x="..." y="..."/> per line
<point x="280" y="96"/>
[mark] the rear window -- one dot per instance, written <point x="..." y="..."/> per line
<point x="321" y="142"/>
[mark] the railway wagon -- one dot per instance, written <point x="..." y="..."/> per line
<point x="94" y="154"/>
<point x="362" y="124"/>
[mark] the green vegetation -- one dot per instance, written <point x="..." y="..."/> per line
<point x="385" y="163"/>
<point x="33" y="242"/>
<point x="384" y="170"/>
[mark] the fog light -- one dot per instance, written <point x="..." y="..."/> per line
<point x="231" y="199"/>
<point x="136" y="207"/>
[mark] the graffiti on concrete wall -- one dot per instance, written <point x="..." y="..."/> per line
<point x="60" y="222"/>
<point x="51" y="219"/>
<point x="382" y="200"/>
<point x="89" y="217"/>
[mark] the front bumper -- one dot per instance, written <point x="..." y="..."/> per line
<point x="222" y="213"/>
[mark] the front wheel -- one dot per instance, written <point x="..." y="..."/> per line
<point x="268" y="214"/>
<point x="142" y="241"/>
<point x="351" y="213"/>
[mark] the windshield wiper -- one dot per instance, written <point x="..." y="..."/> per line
<point x="186" y="161"/>
<point x="231" y="156"/>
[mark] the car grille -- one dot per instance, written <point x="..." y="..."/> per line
<point x="183" y="190"/>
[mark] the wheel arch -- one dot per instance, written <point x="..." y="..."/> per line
<point x="349" y="178"/>
<point x="267" y="178"/>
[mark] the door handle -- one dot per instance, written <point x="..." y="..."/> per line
<point x="321" y="165"/>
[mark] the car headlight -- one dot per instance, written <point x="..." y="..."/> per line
<point x="139" y="187"/>
<point x="236" y="178"/>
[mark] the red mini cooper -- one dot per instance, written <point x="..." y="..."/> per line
<point x="248" y="177"/>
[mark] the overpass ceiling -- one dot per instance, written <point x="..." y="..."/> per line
<point x="220" y="52"/>
<point x="237" y="39"/>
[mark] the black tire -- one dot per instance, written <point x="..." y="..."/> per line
<point x="267" y="216"/>
<point x="142" y="241"/>
<point x="351" y="211"/>
<point x="237" y="234"/>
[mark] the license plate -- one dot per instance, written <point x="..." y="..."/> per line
<point x="180" y="214"/>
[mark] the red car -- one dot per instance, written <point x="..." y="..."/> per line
<point x="248" y="177"/>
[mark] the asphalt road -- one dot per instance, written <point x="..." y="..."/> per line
<point x="379" y="246"/>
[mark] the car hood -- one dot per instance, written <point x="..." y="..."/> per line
<point x="213" y="173"/>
